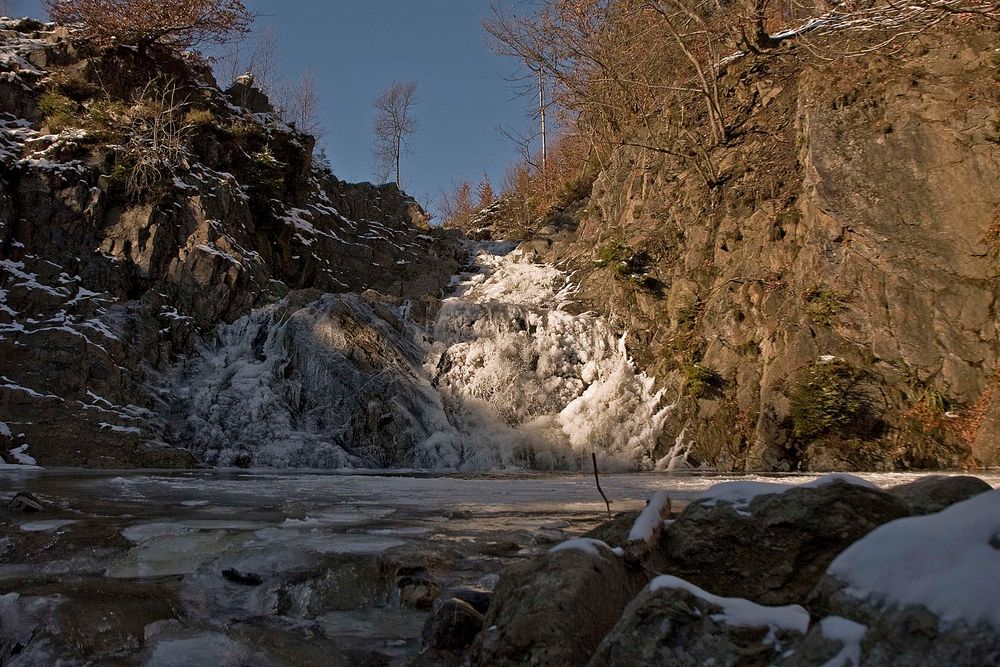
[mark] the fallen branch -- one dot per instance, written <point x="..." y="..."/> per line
<point x="597" y="479"/>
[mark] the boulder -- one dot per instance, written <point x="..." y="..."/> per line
<point x="417" y="587"/>
<point x="453" y="626"/>
<point x="673" y="622"/>
<point x="479" y="599"/>
<point x="773" y="548"/>
<point x="246" y="94"/>
<point x="935" y="492"/>
<point x="614" y="532"/>
<point x="24" y="503"/>
<point x="556" y="609"/>
<point x="924" y="588"/>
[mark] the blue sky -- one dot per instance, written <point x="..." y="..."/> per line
<point x="356" y="48"/>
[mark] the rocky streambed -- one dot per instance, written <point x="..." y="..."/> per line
<point x="274" y="568"/>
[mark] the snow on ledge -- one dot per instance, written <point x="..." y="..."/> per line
<point x="741" y="493"/>
<point x="588" y="546"/>
<point x="650" y="520"/>
<point x="741" y="613"/>
<point x="948" y="562"/>
<point x="22" y="457"/>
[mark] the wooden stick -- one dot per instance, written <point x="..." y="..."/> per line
<point x="597" y="479"/>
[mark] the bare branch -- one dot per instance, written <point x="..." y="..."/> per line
<point x="393" y="127"/>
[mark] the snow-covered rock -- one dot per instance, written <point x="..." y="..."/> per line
<point x="927" y="587"/>
<point x="673" y="622"/>
<point x="773" y="548"/>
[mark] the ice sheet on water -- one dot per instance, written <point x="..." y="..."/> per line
<point x="46" y="526"/>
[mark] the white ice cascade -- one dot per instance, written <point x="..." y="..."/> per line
<point x="507" y="376"/>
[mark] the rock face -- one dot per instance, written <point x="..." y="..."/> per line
<point x="102" y="289"/>
<point x="934" y="493"/>
<point x="556" y="610"/>
<point x="674" y="623"/>
<point x="774" y="549"/>
<point x="853" y="224"/>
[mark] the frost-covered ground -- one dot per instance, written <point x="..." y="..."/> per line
<point x="507" y="376"/>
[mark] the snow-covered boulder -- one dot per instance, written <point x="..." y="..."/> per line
<point x="934" y="493"/>
<point x="556" y="609"/>
<point x="673" y="622"/>
<point x="927" y="588"/>
<point x="771" y="543"/>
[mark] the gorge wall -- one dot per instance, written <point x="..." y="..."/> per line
<point x="103" y="290"/>
<point x="832" y="302"/>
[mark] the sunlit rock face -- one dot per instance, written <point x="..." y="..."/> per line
<point x="505" y="376"/>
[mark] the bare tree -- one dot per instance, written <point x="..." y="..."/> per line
<point x="180" y="24"/>
<point x="6" y="8"/>
<point x="300" y="104"/>
<point x="394" y="125"/>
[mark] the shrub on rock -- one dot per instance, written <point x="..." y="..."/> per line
<point x="178" y="23"/>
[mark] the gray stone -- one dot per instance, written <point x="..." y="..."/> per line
<point x="936" y="492"/>
<point x="775" y="550"/>
<point x="555" y="610"/>
<point x="614" y="532"/>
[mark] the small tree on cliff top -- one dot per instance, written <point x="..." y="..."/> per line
<point x="179" y="24"/>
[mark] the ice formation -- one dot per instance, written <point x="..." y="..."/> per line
<point x="507" y="376"/>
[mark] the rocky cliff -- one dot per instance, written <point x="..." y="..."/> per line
<point x="831" y="303"/>
<point x="106" y="285"/>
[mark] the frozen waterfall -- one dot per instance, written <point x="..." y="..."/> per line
<point x="506" y="376"/>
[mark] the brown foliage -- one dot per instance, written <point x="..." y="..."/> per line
<point x="530" y="192"/>
<point x="457" y="207"/>
<point x="178" y="24"/>
<point x="648" y="73"/>
<point x="485" y="193"/>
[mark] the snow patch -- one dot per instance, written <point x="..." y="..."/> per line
<point x="849" y="634"/>
<point x="21" y="455"/>
<point x="650" y="520"/>
<point x="742" y="613"/>
<point x="948" y="562"/>
<point x="587" y="545"/>
<point x="740" y="494"/>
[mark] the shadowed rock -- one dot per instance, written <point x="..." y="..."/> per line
<point x="774" y="550"/>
